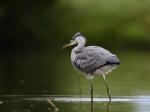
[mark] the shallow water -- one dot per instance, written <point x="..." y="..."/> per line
<point x="129" y="86"/>
<point x="72" y="103"/>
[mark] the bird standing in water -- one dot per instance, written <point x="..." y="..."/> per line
<point x="92" y="61"/>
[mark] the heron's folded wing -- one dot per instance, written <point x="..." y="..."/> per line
<point x="89" y="61"/>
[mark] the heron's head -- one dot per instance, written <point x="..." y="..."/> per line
<point x="77" y="38"/>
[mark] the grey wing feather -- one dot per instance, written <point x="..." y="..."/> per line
<point x="93" y="57"/>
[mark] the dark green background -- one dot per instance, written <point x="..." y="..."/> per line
<point x="33" y="32"/>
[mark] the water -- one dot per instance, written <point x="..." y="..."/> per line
<point x="72" y="103"/>
<point x="129" y="86"/>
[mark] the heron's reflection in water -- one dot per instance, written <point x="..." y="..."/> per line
<point x="108" y="106"/>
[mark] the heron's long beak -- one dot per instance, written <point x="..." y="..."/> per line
<point x="69" y="44"/>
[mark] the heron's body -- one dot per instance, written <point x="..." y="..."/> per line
<point x="92" y="60"/>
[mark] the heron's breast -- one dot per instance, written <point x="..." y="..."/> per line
<point x="73" y="56"/>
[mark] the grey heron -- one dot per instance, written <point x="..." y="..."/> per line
<point x="92" y="61"/>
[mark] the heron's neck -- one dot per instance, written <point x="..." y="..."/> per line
<point x="81" y="44"/>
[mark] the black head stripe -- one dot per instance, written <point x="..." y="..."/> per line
<point x="76" y="35"/>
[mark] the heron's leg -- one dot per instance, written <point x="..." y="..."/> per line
<point x="91" y="87"/>
<point x="108" y="92"/>
<point x="80" y="93"/>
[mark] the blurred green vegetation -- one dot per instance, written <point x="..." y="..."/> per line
<point x="33" y="32"/>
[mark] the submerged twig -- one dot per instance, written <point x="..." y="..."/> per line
<point x="56" y="109"/>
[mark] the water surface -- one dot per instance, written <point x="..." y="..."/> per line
<point x="72" y="103"/>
